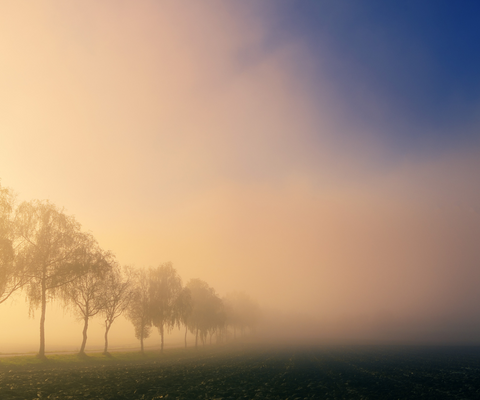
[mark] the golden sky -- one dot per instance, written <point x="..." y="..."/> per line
<point x="173" y="132"/>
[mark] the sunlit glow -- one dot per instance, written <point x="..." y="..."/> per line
<point x="174" y="135"/>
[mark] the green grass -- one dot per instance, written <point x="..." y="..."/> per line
<point x="98" y="358"/>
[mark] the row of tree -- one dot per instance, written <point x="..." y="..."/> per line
<point x="45" y="253"/>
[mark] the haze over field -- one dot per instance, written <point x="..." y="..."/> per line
<point x="323" y="157"/>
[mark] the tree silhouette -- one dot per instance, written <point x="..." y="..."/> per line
<point x="51" y="248"/>
<point x="165" y="286"/>
<point x="84" y="294"/>
<point x="215" y="316"/>
<point x="207" y="307"/>
<point x="138" y="311"/>
<point x="116" y="296"/>
<point x="12" y="271"/>
<point x="241" y="312"/>
<point x="183" y="309"/>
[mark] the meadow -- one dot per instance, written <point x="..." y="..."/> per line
<point x="249" y="372"/>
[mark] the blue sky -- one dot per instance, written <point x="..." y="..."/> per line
<point x="418" y="58"/>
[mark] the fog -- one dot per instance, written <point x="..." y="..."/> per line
<point x="178" y="133"/>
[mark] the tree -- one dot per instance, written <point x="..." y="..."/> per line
<point x="117" y="294"/>
<point x="138" y="311"/>
<point x="84" y="294"/>
<point x="215" y="316"/>
<point x="241" y="312"/>
<point x="51" y="248"/>
<point x="12" y="272"/>
<point x="165" y="286"/>
<point x="183" y="309"/>
<point x="207" y="309"/>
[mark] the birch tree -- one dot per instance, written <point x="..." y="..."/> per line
<point x="165" y="286"/>
<point x="84" y="294"/>
<point x="117" y="294"/>
<point x="51" y="248"/>
<point x="207" y="310"/>
<point x="12" y="271"/>
<point x="138" y="311"/>
<point x="183" y="309"/>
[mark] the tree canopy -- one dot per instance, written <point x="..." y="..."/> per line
<point x="207" y="313"/>
<point x="117" y="293"/>
<point x="13" y="275"/>
<point x="184" y="309"/>
<point x="53" y="250"/>
<point x="165" y="286"/>
<point x="138" y="311"/>
<point x="84" y="294"/>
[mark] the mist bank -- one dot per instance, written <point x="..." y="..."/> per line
<point x="277" y="327"/>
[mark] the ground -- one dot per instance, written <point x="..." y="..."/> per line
<point x="251" y="372"/>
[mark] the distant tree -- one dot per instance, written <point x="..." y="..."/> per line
<point x="241" y="311"/>
<point x="138" y="311"/>
<point x="51" y="248"/>
<point x="207" y="307"/>
<point x="12" y="272"/>
<point x="84" y="294"/>
<point x="117" y="294"/>
<point x="183" y="309"/>
<point x="165" y="286"/>
<point x="216" y="316"/>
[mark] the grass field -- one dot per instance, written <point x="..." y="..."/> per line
<point x="249" y="372"/>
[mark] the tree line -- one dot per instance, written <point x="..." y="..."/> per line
<point x="45" y="253"/>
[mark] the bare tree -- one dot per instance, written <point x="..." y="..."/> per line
<point x="12" y="272"/>
<point x="138" y="311"/>
<point x="84" y="294"/>
<point x="183" y="309"/>
<point x="51" y="248"/>
<point x="165" y="286"/>
<point x="117" y="294"/>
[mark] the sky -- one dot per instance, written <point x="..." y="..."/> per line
<point x="322" y="156"/>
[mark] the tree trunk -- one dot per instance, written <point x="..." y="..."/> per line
<point x="196" y="338"/>
<point x="107" y="328"/>
<point x="186" y="329"/>
<point x="161" y="335"/>
<point x="41" y="352"/>
<point x="141" y="344"/>
<point x="84" y="341"/>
